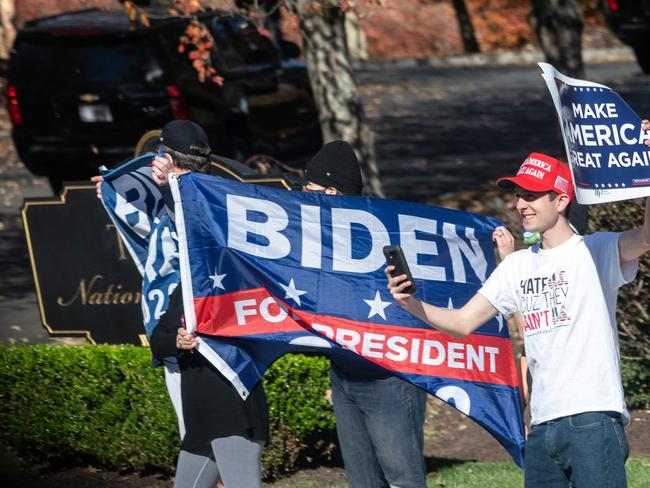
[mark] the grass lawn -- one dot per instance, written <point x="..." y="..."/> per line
<point x="507" y="475"/>
<point x="502" y="475"/>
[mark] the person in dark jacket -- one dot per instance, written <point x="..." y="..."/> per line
<point x="224" y="434"/>
<point x="379" y="417"/>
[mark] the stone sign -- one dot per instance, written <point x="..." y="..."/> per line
<point x="86" y="283"/>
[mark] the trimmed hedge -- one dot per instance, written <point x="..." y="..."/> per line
<point x="107" y="406"/>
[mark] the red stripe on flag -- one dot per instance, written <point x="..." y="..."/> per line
<point x="428" y="352"/>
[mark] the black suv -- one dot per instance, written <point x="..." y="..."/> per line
<point x="84" y="86"/>
<point x="630" y="21"/>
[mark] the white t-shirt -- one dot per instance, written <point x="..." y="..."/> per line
<point x="567" y="296"/>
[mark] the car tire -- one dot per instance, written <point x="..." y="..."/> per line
<point x="642" y="53"/>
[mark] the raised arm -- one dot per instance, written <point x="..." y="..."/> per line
<point x="98" y="180"/>
<point x="456" y="322"/>
<point x="635" y="242"/>
<point x="161" y="167"/>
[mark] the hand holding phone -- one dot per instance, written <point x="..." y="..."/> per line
<point x="395" y="257"/>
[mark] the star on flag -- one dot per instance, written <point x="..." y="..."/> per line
<point x="292" y="292"/>
<point x="377" y="306"/>
<point x="217" y="280"/>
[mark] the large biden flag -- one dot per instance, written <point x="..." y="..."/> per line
<point x="266" y="272"/>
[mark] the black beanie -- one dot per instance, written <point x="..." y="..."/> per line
<point x="186" y="137"/>
<point x="336" y="165"/>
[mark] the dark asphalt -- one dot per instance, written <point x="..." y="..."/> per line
<point x="438" y="130"/>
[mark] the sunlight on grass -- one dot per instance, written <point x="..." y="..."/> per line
<point x="497" y="475"/>
<point x="507" y="475"/>
<point x="500" y="475"/>
<point x="638" y="472"/>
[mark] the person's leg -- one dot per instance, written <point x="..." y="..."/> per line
<point x="394" y="410"/>
<point x="594" y="450"/>
<point x="194" y="471"/>
<point x="542" y="467"/>
<point x="173" y="382"/>
<point x="239" y="461"/>
<point x="361" y="466"/>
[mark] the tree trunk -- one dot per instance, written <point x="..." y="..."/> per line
<point x="355" y="37"/>
<point x="470" y="45"/>
<point x="335" y="90"/>
<point x="558" y="24"/>
<point x="7" y="30"/>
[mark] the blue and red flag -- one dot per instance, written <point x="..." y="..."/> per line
<point x="266" y="272"/>
<point x="135" y="204"/>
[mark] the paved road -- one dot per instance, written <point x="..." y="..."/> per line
<point x="440" y="130"/>
<point x="437" y="130"/>
<point x="19" y="318"/>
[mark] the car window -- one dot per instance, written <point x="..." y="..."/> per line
<point x="86" y="58"/>
<point x="225" y="46"/>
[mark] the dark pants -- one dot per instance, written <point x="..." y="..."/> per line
<point x="380" y="430"/>
<point x="586" y="450"/>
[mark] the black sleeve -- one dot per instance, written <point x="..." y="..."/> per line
<point x="168" y="199"/>
<point x="163" y="337"/>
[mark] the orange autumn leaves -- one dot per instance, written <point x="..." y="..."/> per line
<point x="135" y="15"/>
<point x="197" y="43"/>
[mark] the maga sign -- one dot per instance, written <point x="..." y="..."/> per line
<point x="603" y="139"/>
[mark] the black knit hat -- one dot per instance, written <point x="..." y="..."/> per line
<point x="186" y="137"/>
<point x="336" y="165"/>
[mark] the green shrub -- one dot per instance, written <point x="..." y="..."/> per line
<point x="301" y="417"/>
<point x="105" y="405"/>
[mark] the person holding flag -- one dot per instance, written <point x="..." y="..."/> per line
<point x="184" y="147"/>
<point x="566" y="288"/>
<point x="222" y="434"/>
<point x="225" y="434"/>
<point x="379" y="417"/>
<point x="242" y="301"/>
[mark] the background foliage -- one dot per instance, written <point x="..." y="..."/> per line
<point x="106" y="405"/>
<point x="633" y="302"/>
<point x="404" y="29"/>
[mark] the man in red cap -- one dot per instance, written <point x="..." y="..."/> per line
<point x="566" y="288"/>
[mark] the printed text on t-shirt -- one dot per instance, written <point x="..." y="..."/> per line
<point x="542" y="303"/>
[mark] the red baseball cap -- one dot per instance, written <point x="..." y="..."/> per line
<point x="540" y="172"/>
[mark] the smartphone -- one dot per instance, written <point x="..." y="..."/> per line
<point x="395" y="256"/>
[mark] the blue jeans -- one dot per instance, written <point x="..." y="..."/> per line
<point x="583" y="450"/>
<point x="379" y="424"/>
